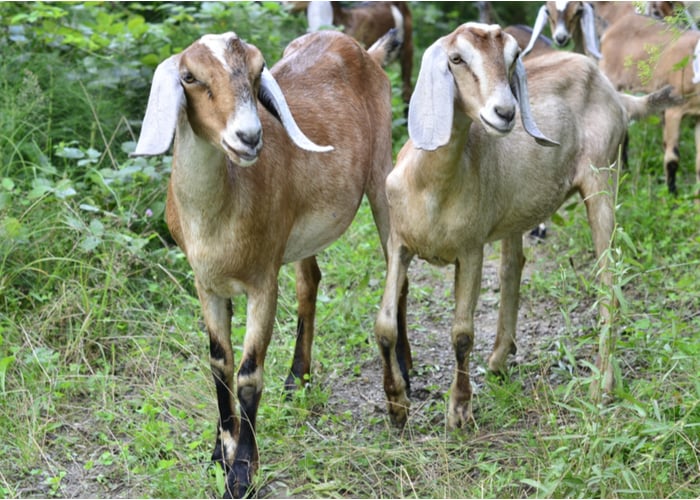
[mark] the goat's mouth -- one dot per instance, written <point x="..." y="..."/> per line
<point x="242" y="157"/>
<point x="499" y="129"/>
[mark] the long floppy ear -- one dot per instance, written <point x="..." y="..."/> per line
<point x="588" y="29"/>
<point x="696" y="63"/>
<point x="319" y="14"/>
<point x="166" y="100"/>
<point x="519" y="87"/>
<point x="536" y="29"/>
<point x="272" y="98"/>
<point x="431" y="109"/>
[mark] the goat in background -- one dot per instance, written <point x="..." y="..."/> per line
<point x="249" y="191"/>
<point x="367" y="22"/>
<point x="638" y="54"/>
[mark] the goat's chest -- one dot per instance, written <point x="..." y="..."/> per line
<point x="433" y="224"/>
<point x="225" y="261"/>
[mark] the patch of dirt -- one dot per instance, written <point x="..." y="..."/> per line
<point x="540" y="326"/>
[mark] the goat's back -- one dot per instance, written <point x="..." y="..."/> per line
<point x="643" y="54"/>
<point x="337" y="92"/>
<point x="341" y="97"/>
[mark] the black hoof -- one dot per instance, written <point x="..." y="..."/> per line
<point x="539" y="232"/>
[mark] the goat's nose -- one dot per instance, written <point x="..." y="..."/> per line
<point x="506" y="113"/>
<point x="249" y="138"/>
<point x="561" y="38"/>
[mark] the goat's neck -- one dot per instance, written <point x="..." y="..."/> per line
<point x="446" y="162"/>
<point x="200" y="178"/>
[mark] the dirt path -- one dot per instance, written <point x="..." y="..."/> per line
<point x="540" y="326"/>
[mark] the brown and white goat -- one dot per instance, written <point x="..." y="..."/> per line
<point x="469" y="175"/>
<point x="249" y="191"/>
<point x="568" y="21"/>
<point x="367" y="22"/>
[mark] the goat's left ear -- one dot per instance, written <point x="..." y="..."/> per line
<point x="519" y="88"/>
<point x="273" y="99"/>
<point x="431" y="109"/>
<point x="165" y="102"/>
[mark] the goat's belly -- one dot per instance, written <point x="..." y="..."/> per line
<point x="312" y="234"/>
<point x="437" y="244"/>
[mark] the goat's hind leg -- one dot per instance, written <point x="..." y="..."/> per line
<point x="510" y="272"/>
<point x="672" y="126"/>
<point x="601" y="218"/>
<point x="308" y="276"/>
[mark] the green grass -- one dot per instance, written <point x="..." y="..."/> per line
<point x="105" y="388"/>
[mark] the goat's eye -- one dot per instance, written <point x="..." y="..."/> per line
<point x="188" y="77"/>
<point x="455" y="59"/>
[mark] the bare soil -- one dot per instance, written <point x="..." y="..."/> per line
<point x="541" y="326"/>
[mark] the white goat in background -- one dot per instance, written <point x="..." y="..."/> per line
<point x="470" y="175"/>
<point x="249" y="191"/>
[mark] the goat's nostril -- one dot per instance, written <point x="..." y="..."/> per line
<point x="507" y="113"/>
<point x="250" y="139"/>
<point x="561" y="39"/>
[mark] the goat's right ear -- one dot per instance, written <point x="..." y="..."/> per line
<point x="536" y="29"/>
<point x="431" y="109"/>
<point x="588" y="29"/>
<point x="165" y="101"/>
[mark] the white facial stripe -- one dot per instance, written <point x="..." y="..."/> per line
<point x="470" y="55"/>
<point x="217" y="45"/>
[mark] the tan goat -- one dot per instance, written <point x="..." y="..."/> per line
<point x="249" y="192"/>
<point x="637" y="53"/>
<point x="470" y="175"/>
<point x="643" y="54"/>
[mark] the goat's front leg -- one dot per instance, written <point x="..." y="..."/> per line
<point x="396" y="381"/>
<point x="510" y="271"/>
<point x="217" y="317"/>
<point x="262" y="304"/>
<point x="467" y="287"/>
<point x="308" y="276"/>
<point x="672" y="127"/>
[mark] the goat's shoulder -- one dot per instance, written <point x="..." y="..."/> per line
<point x="320" y="44"/>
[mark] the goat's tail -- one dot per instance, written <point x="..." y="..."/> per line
<point x="650" y="104"/>
<point x="386" y="49"/>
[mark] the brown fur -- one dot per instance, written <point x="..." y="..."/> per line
<point x="371" y="20"/>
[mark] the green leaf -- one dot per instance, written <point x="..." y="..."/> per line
<point x="8" y="184"/>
